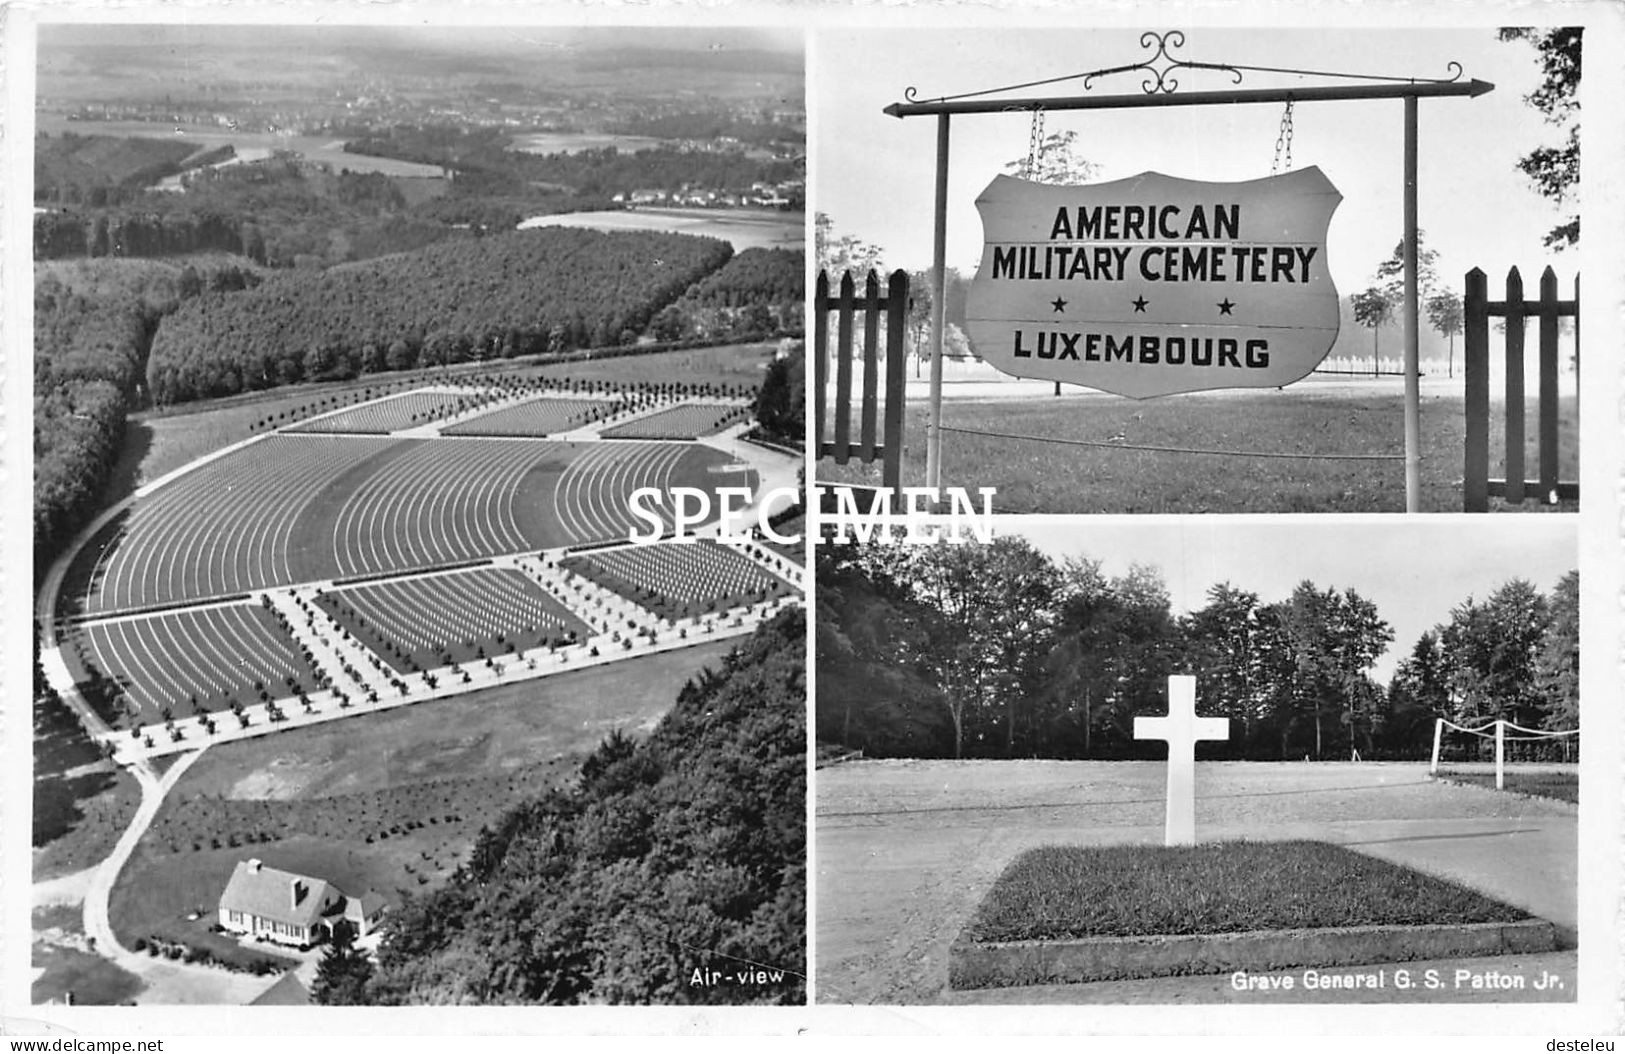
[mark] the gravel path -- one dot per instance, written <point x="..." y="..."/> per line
<point x="906" y="849"/>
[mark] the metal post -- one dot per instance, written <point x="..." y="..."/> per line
<point x="939" y="310"/>
<point x="1500" y="754"/>
<point x="1438" y="734"/>
<point x="1413" y="385"/>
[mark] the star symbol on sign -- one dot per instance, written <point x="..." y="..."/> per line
<point x="1058" y="304"/>
<point x="1139" y="304"/>
<point x="1225" y="305"/>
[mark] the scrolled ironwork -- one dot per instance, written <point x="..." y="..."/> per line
<point x="1158" y="79"/>
<point x="1159" y="69"/>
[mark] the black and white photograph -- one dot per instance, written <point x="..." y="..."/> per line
<point x="1179" y="761"/>
<point x="1215" y="270"/>
<point x="738" y="519"/>
<point x="363" y="355"/>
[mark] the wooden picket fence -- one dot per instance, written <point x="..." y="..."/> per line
<point x="877" y="439"/>
<point x="1477" y="487"/>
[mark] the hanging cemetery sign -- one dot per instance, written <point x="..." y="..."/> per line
<point x="1154" y="285"/>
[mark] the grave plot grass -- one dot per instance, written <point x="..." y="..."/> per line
<point x="1070" y="913"/>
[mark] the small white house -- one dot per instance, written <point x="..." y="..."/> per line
<point x="292" y="909"/>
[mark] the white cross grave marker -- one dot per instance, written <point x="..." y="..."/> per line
<point x="1181" y="729"/>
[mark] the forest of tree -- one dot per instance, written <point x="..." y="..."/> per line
<point x="92" y="330"/>
<point x="485" y="165"/>
<point x="521" y="293"/>
<point x="683" y="851"/>
<point x="756" y="294"/>
<point x="781" y="403"/>
<point x="278" y="212"/>
<point x="711" y="125"/>
<point x="999" y="651"/>
<point x="102" y="169"/>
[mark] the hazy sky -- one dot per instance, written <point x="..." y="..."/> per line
<point x="1414" y="570"/>
<point x="874" y="174"/>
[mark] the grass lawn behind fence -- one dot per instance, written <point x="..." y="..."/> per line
<point x="1062" y="892"/>
<point x="1560" y="786"/>
<point x="1037" y="475"/>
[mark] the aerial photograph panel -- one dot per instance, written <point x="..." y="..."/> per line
<point x="418" y="557"/>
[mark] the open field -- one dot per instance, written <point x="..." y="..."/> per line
<point x="77" y="820"/>
<point x="576" y="142"/>
<point x="93" y="980"/>
<point x="316" y="149"/>
<point x="490" y="731"/>
<point x="389" y="801"/>
<point x="1039" y="475"/>
<point x="908" y="849"/>
<point x="743" y="228"/>
<point x="81" y="803"/>
<point x="1559" y="786"/>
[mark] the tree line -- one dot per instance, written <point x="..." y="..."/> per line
<point x="279" y="212"/>
<point x="482" y="158"/>
<point x="758" y="293"/>
<point x="93" y="327"/>
<point x="522" y="293"/>
<point x="998" y="650"/>
<point x="100" y="170"/>
<point x="683" y="851"/>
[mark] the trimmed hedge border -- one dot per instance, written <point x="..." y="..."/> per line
<point x="1003" y="964"/>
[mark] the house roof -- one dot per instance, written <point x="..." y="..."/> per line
<point x="288" y="991"/>
<point x="371" y="903"/>
<point x="268" y="893"/>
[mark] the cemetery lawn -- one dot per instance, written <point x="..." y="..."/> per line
<point x="1067" y="892"/>
<point x="1034" y="475"/>
<point x="1559" y="786"/>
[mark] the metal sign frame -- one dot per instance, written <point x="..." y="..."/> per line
<point x="1161" y="92"/>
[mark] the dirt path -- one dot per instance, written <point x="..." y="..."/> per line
<point x="167" y="982"/>
<point x="905" y="850"/>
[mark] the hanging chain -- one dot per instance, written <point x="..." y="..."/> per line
<point x="1283" y="141"/>
<point x="1035" y="143"/>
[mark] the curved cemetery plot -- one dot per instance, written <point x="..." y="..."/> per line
<point x="678" y="580"/>
<point x="388" y="415"/>
<point x="593" y="495"/>
<point x="415" y="623"/>
<point x="222" y="529"/>
<point x="438" y="503"/>
<point x="538" y="417"/>
<point x="183" y="661"/>
<point x="689" y="421"/>
<point x="290" y="509"/>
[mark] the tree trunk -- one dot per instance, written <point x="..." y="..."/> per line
<point x="1088" y="719"/>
